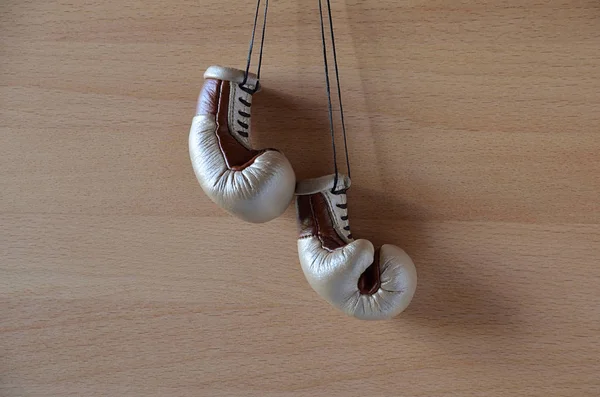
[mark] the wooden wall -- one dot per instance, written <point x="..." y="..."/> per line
<point x="474" y="134"/>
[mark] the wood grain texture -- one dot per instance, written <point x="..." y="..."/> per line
<point x="474" y="130"/>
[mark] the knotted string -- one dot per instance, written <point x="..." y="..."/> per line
<point x="339" y="92"/>
<point x="251" y="47"/>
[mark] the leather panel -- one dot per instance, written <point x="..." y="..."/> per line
<point x="236" y="110"/>
<point x="236" y="154"/>
<point x="258" y="193"/>
<point x="314" y="219"/>
<point x="230" y="74"/>
<point x="208" y="100"/>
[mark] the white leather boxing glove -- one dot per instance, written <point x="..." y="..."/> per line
<point x="254" y="185"/>
<point x="364" y="282"/>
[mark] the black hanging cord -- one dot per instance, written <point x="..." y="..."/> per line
<point x="339" y="92"/>
<point x="251" y="47"/>
<point x="328" y="86"/>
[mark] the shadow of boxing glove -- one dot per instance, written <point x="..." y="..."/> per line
<point x="353" y="276"/>
<point x="254" y="185"/>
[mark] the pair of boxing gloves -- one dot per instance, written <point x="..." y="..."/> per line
<point x="258" y="186"/>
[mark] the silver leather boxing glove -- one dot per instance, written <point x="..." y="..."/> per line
<point x="254" y="185"/>
<point x="364" y="282"/>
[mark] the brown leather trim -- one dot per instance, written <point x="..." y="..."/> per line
<point x="370" y="281"/>
<point x="236" y="155"/>
<point x="208" y="98"/>
<point x="315" y="219"/>
<point x="248" y="163"/>
<point x="306" y="222"/>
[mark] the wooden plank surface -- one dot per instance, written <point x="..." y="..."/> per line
<point x="474" y="132"/>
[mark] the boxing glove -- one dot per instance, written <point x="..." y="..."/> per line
<point x="353" y="276"/>
<point x="254" y="185"/>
